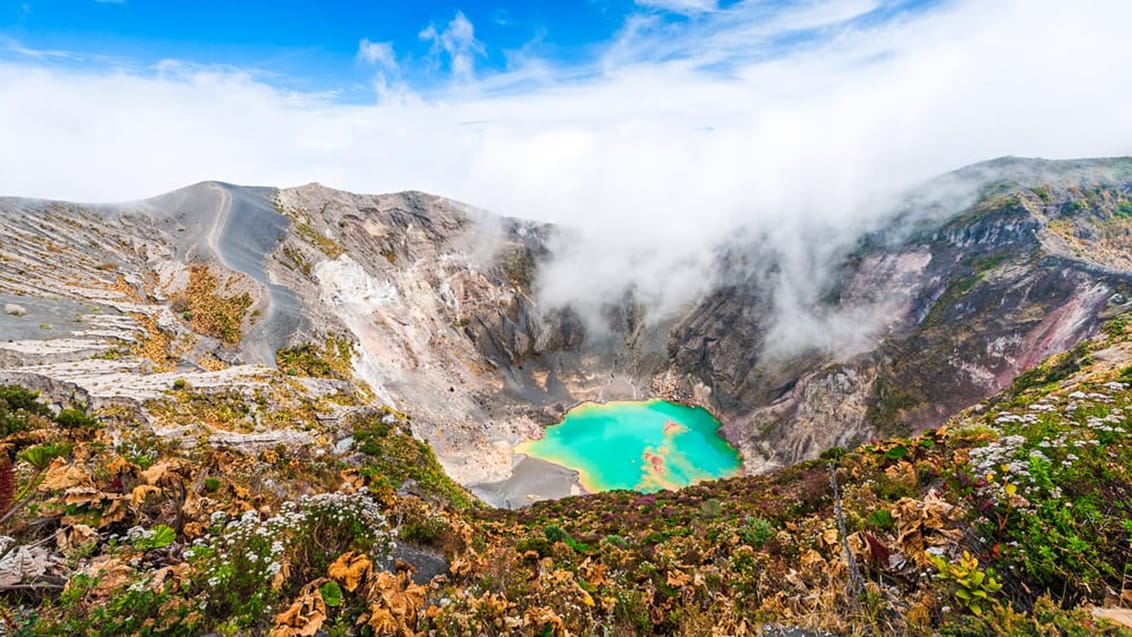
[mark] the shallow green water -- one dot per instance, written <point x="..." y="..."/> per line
<point x="646" y="446"/>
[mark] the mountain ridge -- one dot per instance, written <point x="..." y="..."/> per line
<point x="441" y="303"/>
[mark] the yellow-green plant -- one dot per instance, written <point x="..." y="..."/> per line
<point x="972" y="588"/>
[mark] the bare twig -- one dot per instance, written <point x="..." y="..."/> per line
<point x="41" y="586"/>
<point x="181" y="496"/>
<point x="856" y="584"/>
<point x="16" y="507"/>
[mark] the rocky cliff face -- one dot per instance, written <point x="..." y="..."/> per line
<point x="965" y="304"/>
<point x="941" y="306"/>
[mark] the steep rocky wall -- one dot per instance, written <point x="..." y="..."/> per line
<point x="966" y="305"/>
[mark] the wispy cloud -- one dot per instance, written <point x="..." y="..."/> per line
<point x="748" y="32"/>
<point x="379" y="53"/>
<point x="16" y="51"/>
<point x="13" y="46"/>
<point x="387" y="81"/>
<point x="686" y="7"/>
<point x="456" y="41"/>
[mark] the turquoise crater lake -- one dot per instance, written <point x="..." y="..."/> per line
<point x="641" y="445"/>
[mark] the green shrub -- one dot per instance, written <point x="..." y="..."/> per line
<point x="616" y="540"/>
<point x="555" y="533"/>
<point x="20" y="410"/>
<point x="971" y="587"/>
<point x="16" y="398"/>
<point x="158" y="537"/>
<point x="833" y="453"/>
<point x="1123" y="210"/>
<point x="72" y="418"/>
<point x="331" y="594"/>
<point x="134" y="608"/>
<point x="422" y="529"/>
<point x="896" y="453"/>
<point x="397" y="458"/>
<point x="711" y="508"/>
<point x="756" y="531"/>
<point x="882" y="519"/>
<point x="1047" y="618"/>
<point x="236" y="564"/>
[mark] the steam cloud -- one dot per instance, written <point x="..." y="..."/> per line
<point x="680" y="135"/>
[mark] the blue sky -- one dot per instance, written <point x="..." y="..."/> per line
<point x="315" y="46"/>
<point x="310" y="45"/>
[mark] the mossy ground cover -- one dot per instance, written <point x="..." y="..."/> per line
<point x="1013" y="519"/>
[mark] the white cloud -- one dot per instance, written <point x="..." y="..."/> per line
<point x="40" y="54"/>
<point x="386" y="81"/>
<point x="378" y="53"/>
<point x="679" y="139"/>
<point x="746" y="33"/>
<point x="686" y="7"/>
<point x="458" y="42"/>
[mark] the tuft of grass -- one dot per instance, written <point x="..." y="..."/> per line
<point x="330" y="359"/>
<point x="324" y="244"/>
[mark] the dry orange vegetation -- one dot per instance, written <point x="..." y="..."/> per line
<point x="1011" y="520"/>
<point x="209" y="312"/>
